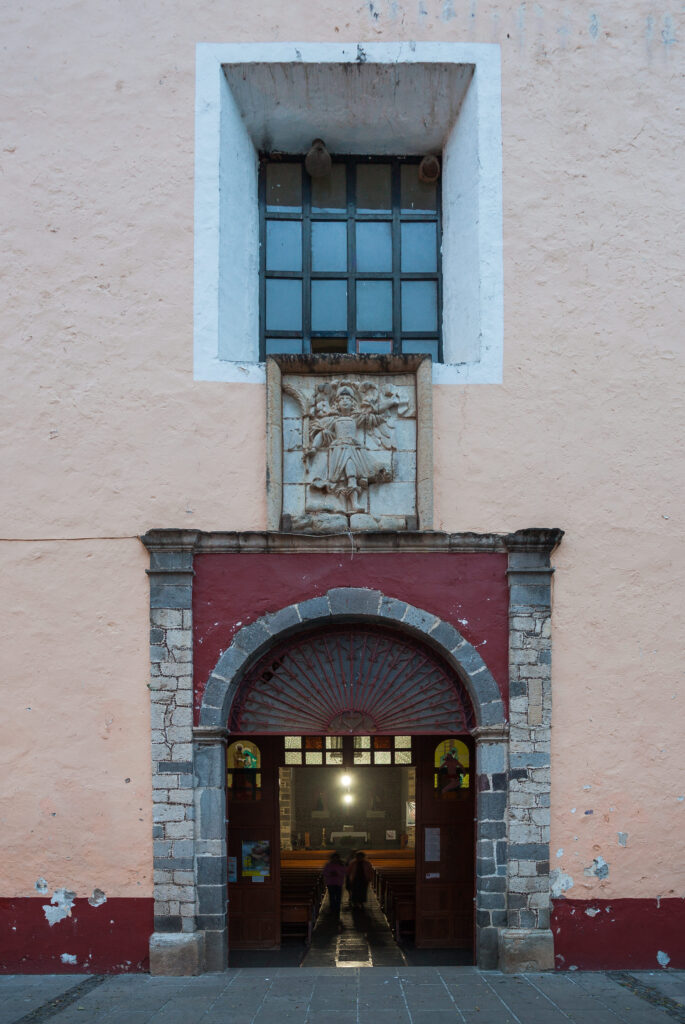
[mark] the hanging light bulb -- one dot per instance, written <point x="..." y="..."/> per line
<point x="345" y="780"/>
<point x="347" y="798"/>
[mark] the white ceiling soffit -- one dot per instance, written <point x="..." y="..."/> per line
<point x="406" y="108"/>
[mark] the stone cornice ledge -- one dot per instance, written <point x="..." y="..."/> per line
<point x="255" y="542"/>
<point x="210" y="734"/>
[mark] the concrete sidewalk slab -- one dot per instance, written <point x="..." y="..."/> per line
<point x="385" y="995"/>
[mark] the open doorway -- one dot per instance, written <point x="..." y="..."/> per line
<point x="406" y="801"/>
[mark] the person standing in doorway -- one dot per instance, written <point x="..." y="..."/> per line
<point x="360" y="873"/>
<point x="334" y="877"/>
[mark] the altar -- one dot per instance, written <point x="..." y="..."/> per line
<point x="349" y="838"/>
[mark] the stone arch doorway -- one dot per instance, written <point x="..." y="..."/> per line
<point x="189" y="753"/>
<point x="376" y="706"/>
<point x="351" y="678"/>
<point x="373" y="663"/>
<point x="363" y="608"/>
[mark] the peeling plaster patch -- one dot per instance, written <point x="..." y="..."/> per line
<point x="573" y="810"/>
<point x="559" y="882"/>
<point x="599" y="868"/>
<point x="587" y="787"/>
<point x="98" y="898"/>
<point x="663" y="958"/>
<point x="41" y="886"/>
<point x="62" y="901"/>
<point x="592" y="911"/>
<point x="622" y="838"/>
<point x="680" y="799"/>
<point x="68" y="958"/>
<point x="560" y="852"/>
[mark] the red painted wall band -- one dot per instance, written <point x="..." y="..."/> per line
<point x="610" y="935"/>
<point x="110" y="939"/>
<point x="624" y="934"/>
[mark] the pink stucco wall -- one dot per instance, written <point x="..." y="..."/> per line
<point x="105" y="434"/>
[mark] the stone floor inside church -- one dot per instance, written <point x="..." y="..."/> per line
<point x="364" y="941"/>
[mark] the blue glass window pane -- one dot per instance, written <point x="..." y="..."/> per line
<point x="276" y="346"/>
<point x="427" y="347"/>
<point x="329" y="305"/>
<point x="374" y="347"/>
<point x="284" y="187"/>
<point x="373" y="188"/>
<point x="419" y="306"/>
<point x="374" y="305"/>
<point x="329" y="194"/>
<point x="283" y="245"/>
<point x="329" y="245"/>
<point x="374" y="246"/>
<point x="283" y="305"/>
<point x="419" y="249"/>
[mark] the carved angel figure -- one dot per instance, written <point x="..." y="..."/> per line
<point x="340" y="415"/>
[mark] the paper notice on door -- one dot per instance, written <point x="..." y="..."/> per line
<point x="433" y="874"/>
<point x="233" y="869"/>
<point x="432" y="844"/>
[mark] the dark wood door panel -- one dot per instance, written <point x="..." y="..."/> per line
<point x="254" y="900"/>
<point x="444" y="852"/>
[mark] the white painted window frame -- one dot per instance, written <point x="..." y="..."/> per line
<point x="226" y="261"/>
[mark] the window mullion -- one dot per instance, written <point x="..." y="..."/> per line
<point x="396" y="257"/>
<point x="306" y="262"/>
<point x="351" y="259"/>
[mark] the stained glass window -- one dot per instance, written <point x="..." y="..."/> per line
<point x="451" y="766"/>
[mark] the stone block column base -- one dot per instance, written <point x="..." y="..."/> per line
<point x="526" y="949"/>
<point x="179" y="953"/>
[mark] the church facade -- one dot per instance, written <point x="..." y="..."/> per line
<point x="342" y="431"/>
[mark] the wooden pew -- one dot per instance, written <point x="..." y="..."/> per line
<point x="301" y="895"/>
<point x="396" y="890"/>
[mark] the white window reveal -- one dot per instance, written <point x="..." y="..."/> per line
<point x="408" y="99"/>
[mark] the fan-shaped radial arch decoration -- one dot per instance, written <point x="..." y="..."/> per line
<point x="351" y="679"/>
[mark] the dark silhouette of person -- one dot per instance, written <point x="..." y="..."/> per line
<point x="359" y="873"/>
<point x="334" y="875"/>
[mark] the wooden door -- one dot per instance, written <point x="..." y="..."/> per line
<point x="445" y="807"/>
<point x="254" y="855"/>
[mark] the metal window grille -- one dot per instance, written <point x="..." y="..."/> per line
<point x="342" y="276"/>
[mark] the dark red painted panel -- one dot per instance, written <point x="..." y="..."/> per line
<point x="468" y="590"/>
<point x="111" y="938"/>
<point x="624" y="935"/>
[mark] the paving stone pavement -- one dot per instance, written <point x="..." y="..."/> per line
<point x="352" y="995"/>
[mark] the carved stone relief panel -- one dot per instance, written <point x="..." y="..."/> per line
<point x="347" y="448"/>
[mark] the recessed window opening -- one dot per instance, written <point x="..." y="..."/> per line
<point x="350" y="262"/>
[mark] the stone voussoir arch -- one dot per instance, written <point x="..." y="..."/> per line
<point x="364" y="606"/>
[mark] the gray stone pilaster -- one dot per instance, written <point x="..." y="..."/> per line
<point x="171" y="719"/>
<point x="491" y="840"/>
<point x="210" y="845"/>
<point x="530" y="710"/>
